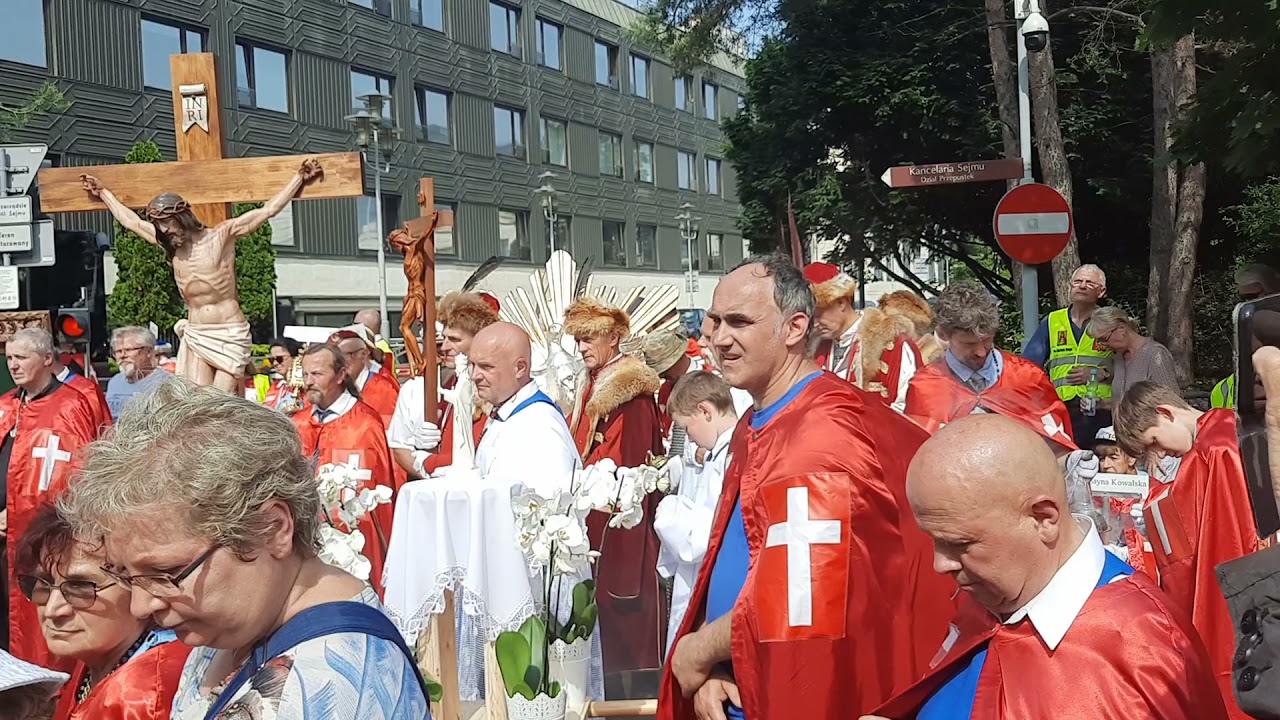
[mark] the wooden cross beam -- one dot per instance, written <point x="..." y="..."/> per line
<point x="201" y="175"/>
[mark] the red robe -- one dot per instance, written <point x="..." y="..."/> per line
<point x="1202" y="518"/>
<point x="380" y="392"/>
<point x="442" y="456"/>
<point x="878" y="610"/>
<point x="1128" y="654"/>
<point x="357" y="433"/>
<point x="92" y="392"/>
<point x="617" y="418"/>
<point x="141" y="689"/>
<point x="874" y="360"/>
<point x="52" y="429"/>
<point x="1023" y="392"/>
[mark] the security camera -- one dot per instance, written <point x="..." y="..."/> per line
<point x="1035" y="32"/>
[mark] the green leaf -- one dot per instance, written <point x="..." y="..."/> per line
<point x="435" y="691"/>
<point x="514" y="653"/>
<point x="522" y="689"/>
<point x="533" y="677"/>
<point x="584" y="594"/>
<point x="554" y="690"/>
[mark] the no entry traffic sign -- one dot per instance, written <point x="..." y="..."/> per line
<point x="1032" y="223"/>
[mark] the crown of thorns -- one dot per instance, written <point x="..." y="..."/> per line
<point x="161" y="208"/>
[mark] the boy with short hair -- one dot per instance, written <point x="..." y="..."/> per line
<point x="701" y="403"/>
<point x="1202" y="517"/>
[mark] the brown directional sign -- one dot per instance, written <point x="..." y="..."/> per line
<point x="906" y="176"/>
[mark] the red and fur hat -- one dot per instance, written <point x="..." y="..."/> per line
<point x="911" y="306"/>
<point x="491" y="301"/>
<point x="466" y="311"/>
<point x="829" y="284"/>
<point x="588" y="317"/>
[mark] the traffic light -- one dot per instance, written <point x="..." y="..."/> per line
<point x="73" y="325"/>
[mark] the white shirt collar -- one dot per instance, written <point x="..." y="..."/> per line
<point x="722" y="442"/>
<point x="345" y="402"/>
<point x="1055" y="608"/>
<point x="63" y="374"/>
<point x="848" y="336"/>
<point x="521" y="395"/>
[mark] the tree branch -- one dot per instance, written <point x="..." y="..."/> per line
<point x="1104" y="11"/>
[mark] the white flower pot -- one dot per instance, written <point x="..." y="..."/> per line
<point x="541" y="707"/>
<point x="569" y="665"/>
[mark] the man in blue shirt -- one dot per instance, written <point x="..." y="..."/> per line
<point x="134" y="349"/>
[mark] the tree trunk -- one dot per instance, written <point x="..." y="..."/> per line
<point x="1054" y="167"/>
<point x="1004" y="77"/>
<point x="1186" y="232"/>
<point x="1164" y="193"/>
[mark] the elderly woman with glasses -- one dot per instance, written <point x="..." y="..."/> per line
<point x="1138" y="357"/>
<point x="126" y="669"/>
<point x="211" y="515"/>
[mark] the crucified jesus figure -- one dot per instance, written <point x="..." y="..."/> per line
<point x="216" y="344"/>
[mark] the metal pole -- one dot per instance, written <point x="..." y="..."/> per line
<point x="1030" y="279"/>
<point x="382" y="255"/>
<point x="551" y="224"/>
<point x="688" y="239"/>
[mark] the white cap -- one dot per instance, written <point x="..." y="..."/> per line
<point x="15" y="673"/>
<point x="1106" y="434"/>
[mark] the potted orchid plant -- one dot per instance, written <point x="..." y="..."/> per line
<point x="544" y="664"/>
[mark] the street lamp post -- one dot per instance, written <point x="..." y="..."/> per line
<point x="689" y="232"/>
<point x="547" y="192"/>
<point x="370" y="126"/>
<point x="1022" y="11"/>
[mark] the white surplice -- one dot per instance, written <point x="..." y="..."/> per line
<point x="533" y="447"/>
<point x="683" y="524"/>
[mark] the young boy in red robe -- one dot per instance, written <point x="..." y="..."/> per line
<point x="1202" y="518"/>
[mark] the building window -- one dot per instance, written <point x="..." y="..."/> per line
<point x="427" y="13"/>
<point x="742" y="102"/>
<point x="685" y="246"/>
<point x="363" y="83"/>
<point x="262" y="78"/>
<point x="22" y="32"/>
<point x="504" y="28"/>
<point x="606" y="65"/>
<point x="367" y="235"/>
<point x="508" y="131"/>
<point x="685" y="170"/>
<point x="684" y="93"/>
<point x="644" y="162"/>
<point x="640" y="76"/>
<point x="715" y="250"/>
<point x="610" y="154"/>
<point x="713" y="176"/>
<point x="555" y="148"/>
<point x="444" y="236"/>
<point x="646" y="246"/>
<point x="710" y="101"/>
<point x="549" y="44"/>
<point x="382" y="7"/>
<point x="433" y="116"/>
<point x="513" y="234"/>
<point x="159" y="41"/>
<point x="615" y="249"/>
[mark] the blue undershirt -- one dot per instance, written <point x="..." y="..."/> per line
<point x="954" y="700"/>
<point x="729" y="573"/>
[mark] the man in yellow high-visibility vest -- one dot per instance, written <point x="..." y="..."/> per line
<point x="1067" y="353"/>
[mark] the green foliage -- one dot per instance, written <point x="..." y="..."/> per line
<point x="582" y="616"/>
<point x="46" y="99"/>
<point x="522" y="658"/>
<point x="145" y="289"/>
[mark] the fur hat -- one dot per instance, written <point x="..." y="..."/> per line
<point x="829" y="284"/>
<point x="909" y="305"/>
<point x="465" y="311"/>
<point x="491" y="301"/>
<point x="588" y="317"/>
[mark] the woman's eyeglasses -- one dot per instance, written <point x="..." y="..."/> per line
<point x="79" y="594"/>
<point x="278" y="359"/>
<point x="160" y="584"/>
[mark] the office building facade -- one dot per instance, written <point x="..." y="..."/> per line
<point x="488" y="96"/>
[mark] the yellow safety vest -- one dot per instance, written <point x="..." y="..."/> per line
<point x="1065" y="353"/>
<point x="261" y="383"/>
<point x="389" y="359"/>
<point x="1224" y="393"/>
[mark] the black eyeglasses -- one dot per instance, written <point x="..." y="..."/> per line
<point x="161" y="584"/>
<point x="79" y="594"/>
<point x="277" y="359"/>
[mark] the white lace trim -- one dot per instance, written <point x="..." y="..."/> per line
<point x="471" y="603"/>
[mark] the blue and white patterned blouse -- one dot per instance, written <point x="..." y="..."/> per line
<point x="346" y="675"/>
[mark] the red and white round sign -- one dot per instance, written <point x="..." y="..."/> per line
<point x="1032" y="223"/>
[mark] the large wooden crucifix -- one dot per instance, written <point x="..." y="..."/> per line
<point x="187" y="213"/>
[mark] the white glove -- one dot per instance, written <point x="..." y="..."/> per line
<point x="1081" y="469"/>
<point x="426" y="436"/>
<point x="1139" y="519"/>
<point x="673" y="471"/>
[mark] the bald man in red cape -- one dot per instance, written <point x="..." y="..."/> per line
<point x="973" y="376"/>
<point x="1049" y="624"/>
<point x="1202" y="518"/>
<point x="816" y="599"/>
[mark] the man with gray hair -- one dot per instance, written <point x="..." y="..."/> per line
<point x="43" y="426"/>
<point x="814" y="560"/>
<point x="133" y="347"/>
<point x="974" y="377"/>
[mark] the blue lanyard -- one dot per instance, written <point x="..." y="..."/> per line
<point x="534" y="399"/>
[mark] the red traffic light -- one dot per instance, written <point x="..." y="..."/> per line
<point x="70" y="327"/>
